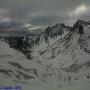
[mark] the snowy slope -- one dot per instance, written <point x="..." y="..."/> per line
<point x="60" y="60"/>
<point x="69" y="54"/>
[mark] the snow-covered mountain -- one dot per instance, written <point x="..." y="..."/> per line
<point x="59" y="58"/>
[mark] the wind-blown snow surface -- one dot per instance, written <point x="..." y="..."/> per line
<point x="62" y="63"/>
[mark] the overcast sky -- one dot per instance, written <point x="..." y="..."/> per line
<point x="45" y="12"/>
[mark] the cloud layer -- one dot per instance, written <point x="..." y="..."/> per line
<point x="44" y="12"/>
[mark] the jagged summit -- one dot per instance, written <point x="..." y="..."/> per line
<point x="79" y="26"/>
<point x="55" y="30"/>
<point x="60" y="28"/>
<point x="53" y="33"/>
<point x="80" y="23"/>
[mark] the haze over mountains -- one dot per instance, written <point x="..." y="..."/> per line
<point x="18" y="29"/>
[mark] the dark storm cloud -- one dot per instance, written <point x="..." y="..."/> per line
<point x="44" y="12"/>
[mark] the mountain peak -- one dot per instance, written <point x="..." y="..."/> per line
<point x="55" y="29"/>
<point x="79" y="25"/>
<point x="59" y="25"/>
<point x="82" y="22"/>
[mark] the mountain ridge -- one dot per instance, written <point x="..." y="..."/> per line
<point x="61" y="61"/>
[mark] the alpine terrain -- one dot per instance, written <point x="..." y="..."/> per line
<point x="56" y="59"/>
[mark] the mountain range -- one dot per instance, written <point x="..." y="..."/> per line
<point x="58" y="57"/>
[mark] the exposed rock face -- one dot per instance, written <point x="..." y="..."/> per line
<point x="59" y="56"/>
